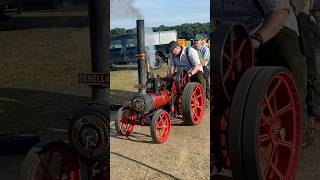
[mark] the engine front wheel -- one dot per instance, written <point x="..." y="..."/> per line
<point x="160" y="126"/>
<point x="125" y="121"/>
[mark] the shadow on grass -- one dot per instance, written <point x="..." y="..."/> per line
<point x="22" y="109"/>
<point x="21" y="22"/>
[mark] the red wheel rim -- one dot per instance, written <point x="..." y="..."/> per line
<point x="279" y="140"/>
<point x="127" y="121"/>
<point x="183" y="80"/>
<point x="56" y="163"/>
<point x="233" y="56"/>
<point x="163" y="126"/>
<point x="234" y="59"/>
<point x="197" y="104"/>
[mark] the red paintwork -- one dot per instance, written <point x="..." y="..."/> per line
<point x="160" y="100"/>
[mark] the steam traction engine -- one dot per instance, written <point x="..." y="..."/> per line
<point x="160" y="99"/>
<point x="256" y="117"/>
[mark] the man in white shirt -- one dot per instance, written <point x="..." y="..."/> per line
<point x="183" y="58"/>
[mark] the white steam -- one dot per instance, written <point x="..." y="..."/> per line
<point x="120" y="9"/>
<point x="150" y="48"/>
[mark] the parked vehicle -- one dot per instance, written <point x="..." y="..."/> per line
<point x="8" y="7"/>
<point x="124" y="48"/>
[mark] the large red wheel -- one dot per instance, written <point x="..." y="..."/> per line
<point x="192" y="103"/>
<point x="234" y="125"/>
<point x="233" y="55"/>
<point x="125" y="121"/>
<point x="54" y="161"/>
<point x="271" y="126"/>
<point x="160" y="126"/>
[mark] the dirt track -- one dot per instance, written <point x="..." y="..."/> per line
<point x="38" y="88"/>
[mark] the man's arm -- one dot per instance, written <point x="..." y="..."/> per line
<point x="172" y="67"/>
<point x="195" y="69"/>
<point x="194" y="57"/>
<point x="272" y="25"/>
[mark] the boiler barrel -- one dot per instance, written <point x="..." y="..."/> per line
<point x="147" y="102"/>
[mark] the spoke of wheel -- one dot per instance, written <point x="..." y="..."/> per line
<point x="263" y="138"/>
<point x="198" y="96"/>
<point x="264" y="152"/>
<point x="196" y="115"/>
<point x="269" y="161"/>
<point x="47" y="172"/>
<point x="227" y="73"/>
<point x="269" y="106"/>
<point x="283" y="110"/>
<point x="276" y="158"/>
<point x="266" y="119"/>
<point x="238" y="53"/>
<point x="226" y="56"/>
<point x="284" y="143"/>
<point x="276" y="170"/>
<point x="274" y="90"/>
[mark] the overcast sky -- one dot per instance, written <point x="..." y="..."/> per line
<point x="158" y="12"/>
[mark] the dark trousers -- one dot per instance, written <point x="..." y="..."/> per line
<point x="206" y="71"/>
<point x="199" y="77"/>
<point x="284" y="50"/>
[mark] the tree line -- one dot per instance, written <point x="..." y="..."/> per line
<point x="185" y="31"/>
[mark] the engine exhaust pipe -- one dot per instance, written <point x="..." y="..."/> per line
<point x="98" y="17"/>
<point x="141" y="57"/>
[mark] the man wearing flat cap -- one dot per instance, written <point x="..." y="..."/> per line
<point x="186" y="58"/>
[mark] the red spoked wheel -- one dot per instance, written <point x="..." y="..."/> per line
<point x="160" y="126"/>
<point x="192" y="103"/>
<point x="233" y="56"/>
<point x="182" y="78"/>
<point x="271" y="126"/>
<point x="125" y="121"/>
<point x="234" y="137"/>
<point x="54" y="161"/>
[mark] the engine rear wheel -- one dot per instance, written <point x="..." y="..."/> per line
<point x="192" y="103"/>
<point x="271" y="126"/>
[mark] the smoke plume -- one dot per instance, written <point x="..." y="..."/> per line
<point x="150" y="48"/>
<point x="120" y="9"/>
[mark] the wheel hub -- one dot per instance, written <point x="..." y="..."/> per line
<point x="89" y="137"/>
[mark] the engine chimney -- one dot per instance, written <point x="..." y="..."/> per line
<point x="98" y="16"/>
<point x="141" y="57"/>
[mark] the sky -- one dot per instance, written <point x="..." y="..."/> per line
<point x="123" y="13"/>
